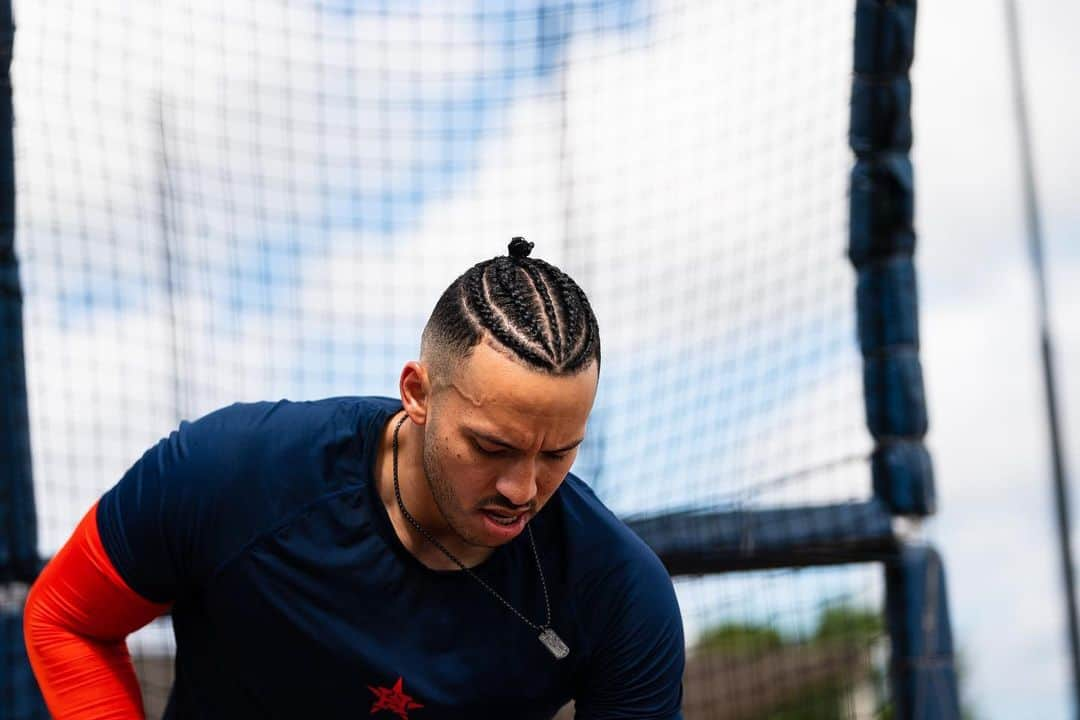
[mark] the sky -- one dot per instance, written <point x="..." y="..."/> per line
<point x="291" y="250"/>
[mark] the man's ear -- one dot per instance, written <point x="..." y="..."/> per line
<point x="415" y="388"/>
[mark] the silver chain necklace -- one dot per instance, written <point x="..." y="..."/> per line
<point x="548" y="637"/>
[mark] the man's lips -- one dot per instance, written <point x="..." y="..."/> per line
<point x="504" y="522"/>
<point x="503" y="513"/>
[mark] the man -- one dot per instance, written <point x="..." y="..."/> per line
<point x="428" y="557"/>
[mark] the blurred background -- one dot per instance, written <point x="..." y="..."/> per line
<point x="264" y="200"/>
<point x="988" y="429"/>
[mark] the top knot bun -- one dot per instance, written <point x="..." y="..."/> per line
<point x="520" y="248"/>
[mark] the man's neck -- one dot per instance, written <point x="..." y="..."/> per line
<point x="416" y="495"/>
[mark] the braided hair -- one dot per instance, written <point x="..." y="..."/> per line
<point x="532" y="310"/>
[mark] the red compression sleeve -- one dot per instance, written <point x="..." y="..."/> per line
<point x="77" y="615"/>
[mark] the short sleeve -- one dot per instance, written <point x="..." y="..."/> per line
<point x="637" y="666"/>
<point x="161" y="524"/>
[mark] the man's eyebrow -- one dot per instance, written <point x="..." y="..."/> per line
<point x="569" y="447"/>
<point x="510" y="446"/>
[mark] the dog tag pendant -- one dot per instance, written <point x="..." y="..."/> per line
<point x="554" y="644"/>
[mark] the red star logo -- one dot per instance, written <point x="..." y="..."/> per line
<point x="393" y="699"/>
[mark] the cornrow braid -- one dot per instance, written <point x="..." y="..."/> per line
<point x="529" y="307"/>
<point x="553" y="324"/>
<point x="581" y="322"/>
<point x="483" y="312"/>
<point x="508" y="286"/>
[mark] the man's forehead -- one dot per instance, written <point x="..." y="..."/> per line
<point x="496" y="388"/>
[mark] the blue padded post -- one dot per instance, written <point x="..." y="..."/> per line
<point x="922" y="671"/>
<point x="703" y="542"/>
<point x="20" y="698"/>
<point x="18" y="525"/>
<point x="881" y="247"/>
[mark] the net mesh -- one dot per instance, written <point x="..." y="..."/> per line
<point x="253" y="200"/>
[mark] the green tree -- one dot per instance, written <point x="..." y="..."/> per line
<point x="741" y="639"/>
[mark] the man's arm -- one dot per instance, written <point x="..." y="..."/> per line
<point x="156" y="535"/>
<point x="78" y="613"/>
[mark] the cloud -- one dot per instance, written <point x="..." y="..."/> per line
<point x="995" y="526"/>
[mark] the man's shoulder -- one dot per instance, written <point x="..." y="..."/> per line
<point x="283" y="427"/>
<point x="598" y="540"/>
<point x="347" y="412"/>
<point x="624" y="600"/>
<point x="214" y="484"/>
<point x="285" y="450"/>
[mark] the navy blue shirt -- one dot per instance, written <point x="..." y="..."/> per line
<point x="294" y="598"/>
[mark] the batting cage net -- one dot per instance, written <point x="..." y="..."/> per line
<point x="256" y="200"/>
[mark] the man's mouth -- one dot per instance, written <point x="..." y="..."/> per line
<point x="504" y="517"/>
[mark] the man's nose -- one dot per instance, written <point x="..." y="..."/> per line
<point x="518" y="485"/>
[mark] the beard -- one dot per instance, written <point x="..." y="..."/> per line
<point x="443" y="492"/>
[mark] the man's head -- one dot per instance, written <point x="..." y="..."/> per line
<point x="532" y="311"/>
<point x="506" y="380"/>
